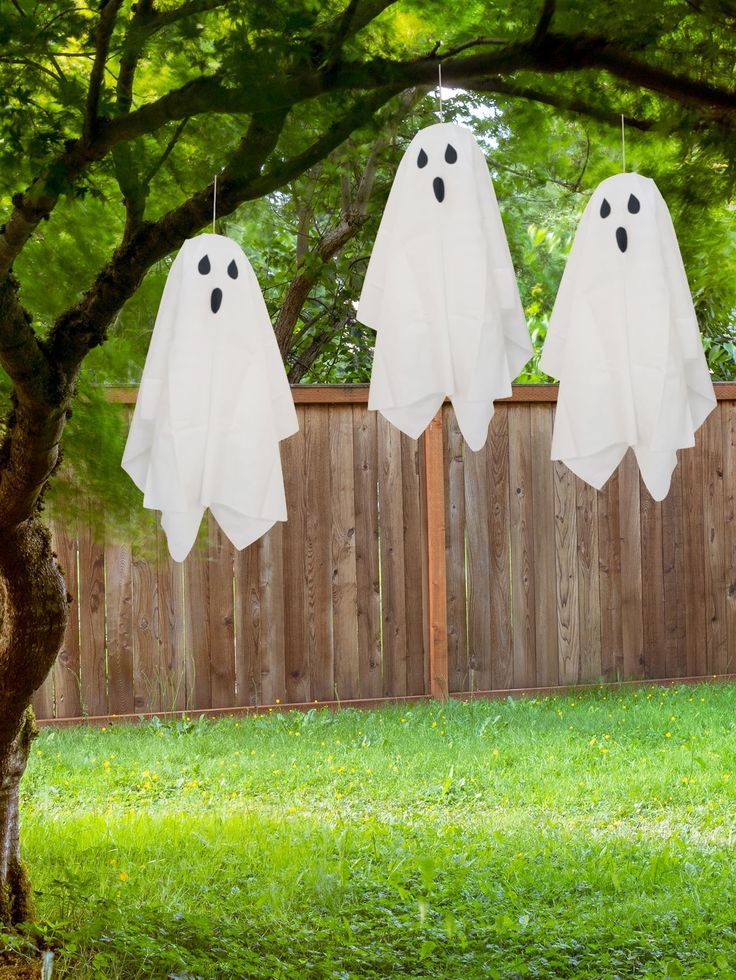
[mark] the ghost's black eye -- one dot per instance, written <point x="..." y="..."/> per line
<point x="450" y="154"/>
<point x="633" y="204"/>
<point x="204" y="265"/>
<point x="232" y="270"/>
<point x="605" y="208"/>
<point x="422" y="159"/>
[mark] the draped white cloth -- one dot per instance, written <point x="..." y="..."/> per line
<point x="623" y="340"/>
<point x="440" y="290"/>
<point x="213" y="404"/>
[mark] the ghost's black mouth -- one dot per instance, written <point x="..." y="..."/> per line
<point x="216" y="299"/>
<point x="622" y="239"/>
<point x="438" y="186"/>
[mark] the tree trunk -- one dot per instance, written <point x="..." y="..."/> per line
<point x="16" y="904"/>
<point x="33" y="613"/>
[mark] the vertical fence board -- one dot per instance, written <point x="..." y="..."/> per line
<point x="197" y="612"/>
<point x="344" y="568"/>
<point x="221" y="618"/>
<point x="632" y="625"/>
<point x="457" y="633"/>
<point x="652" y="553"/>
<point x="119" y="589"/>
<point x="589" y="599"/>
<point x="319" y="553"/>
<point x="694" y="558"/>
<point x="169" y="627"/>
<point x="66" y="671"/>
<point x="274" y="600"/>
<point x="391" y="519"/>
<point x="432" y="670"/>
<point x="414" y="567"/>
<point x="714" y="543"/>
<point x="568" y="615"/>
<point x="248" y="622"/>
<point x="609" y="563"/>
<point x="728" y="424"/>
<point x="92" y="607"/>
<point x="297" y="666"/>
<point x="497" y="463"/>
<point x="144" y="643"/>
<point x="521" y="507"/>
<point x="545" y="570"/>
<point x="674" y="578"/>
<point x="479" y="585"/>
<point x="43" y="698"/>
<point x="365" y="462"/>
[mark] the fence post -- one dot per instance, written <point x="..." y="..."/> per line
<point x="434" y="476"/>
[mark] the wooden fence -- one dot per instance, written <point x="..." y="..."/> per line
<point x="544" y="581"/>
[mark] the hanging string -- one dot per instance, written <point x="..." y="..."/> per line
<point x="440" y="108"/>
<point x="214" y="203"/>
<point x="623" y="145"/>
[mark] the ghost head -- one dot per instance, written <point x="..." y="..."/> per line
<point x="440" y="290"/>
<point x="213" y="403"/>
<point x="216" y="279"/>
<point x="627" y="223"/>
<point x="623" y="339"/>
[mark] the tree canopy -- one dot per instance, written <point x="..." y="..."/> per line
<point x="118" y="115"/>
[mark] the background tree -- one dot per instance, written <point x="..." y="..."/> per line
<point x="116" y="117"/>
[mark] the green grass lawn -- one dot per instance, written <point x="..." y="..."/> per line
<point x="585" y="836"/>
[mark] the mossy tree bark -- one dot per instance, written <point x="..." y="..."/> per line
<point x="33" y="609"/>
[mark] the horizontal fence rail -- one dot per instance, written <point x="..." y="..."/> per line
<point x="409" y="568"/>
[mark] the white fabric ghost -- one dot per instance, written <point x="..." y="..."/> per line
<point x="440" y="290"/>
<point x="623" y="339"/>
<point x="213" y="403"/>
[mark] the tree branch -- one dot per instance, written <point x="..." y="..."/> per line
<point x="303" y="359"/>
<point x="105" y="27"/>
<point x="145" y="23"/>
<point x="305" y="216"/>
<point x="130" y="57"/>
<point x="165" y="18"/>
<point x="555" y="53"/>
<point x="544" y="22"/>
<point x="21" y="355"/>
<point x="558" y="52"/>
<point x="478" y="42"/>
<point x="563" y="102"/>
<point x="30" y="449"/>
<point x="357" y="15"/>
<point x="176" y="136"/>
<point x="343" y="26"/>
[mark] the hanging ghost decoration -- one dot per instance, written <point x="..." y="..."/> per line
<point x="440" y="290"/>
<point x="623" y="339"/>
<point x="213" y="403"/>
